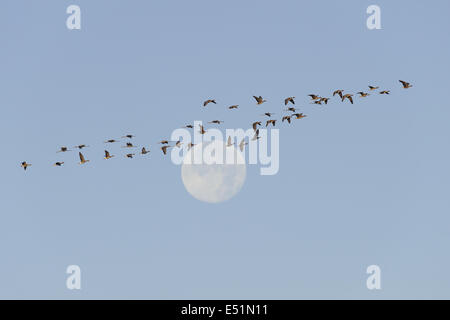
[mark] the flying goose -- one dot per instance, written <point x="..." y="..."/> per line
<point x="288" y="118"/>
<point x="363" y="94"/>
<point x="259" y="100"/>
<point x="128" y="145"/>
<point x="373" y="88"/>
<point x="130" y="155"/>
<point x="405" y="84"/>
<point x="190" y="145"/>
<point x="348" y="96"/>
<point x="233" y="106"/>
<point x="339" y="92"/>
<point x="81" y="146"/>
<point x="82" y="160"/>
<point x="144" y="151"/>
<point x="269" y="114"/>
<point x="202" y="129"/>
<point x="25" y="165"/>
<point x="163" y="142"/>
<point x="242" y="145"/>
<point x="58" y="164"/>
<point x="229" y="144"/>
<point x="256" y="136"/>
<point x="189" y="126"/>
<point x="209" y="101"/>
<point x="324" y="100"/>
<point x="272" y="121"/>
<point x="299" y="115"/>
<point x="216" y="121"/>
<point x="107" y="155"/>
<point x="178" y="144"/>
<point x="255" y="125"/>
<point x="385" y="92"/>
<point x="63" y="149"/>
<point x="129" y="136"/>
<point x="289" y="99"/>
<point x="313" y="96"/>
<point x="292" y="109"/>
<point x="164" y="149"/>
<point x="111" y="141"/>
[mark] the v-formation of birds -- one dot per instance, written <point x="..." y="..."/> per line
<point x="315" y="99"/>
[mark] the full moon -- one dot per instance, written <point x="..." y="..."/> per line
<point x="215" y="182"/>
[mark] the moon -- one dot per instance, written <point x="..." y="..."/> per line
<point x="213" y="182"/>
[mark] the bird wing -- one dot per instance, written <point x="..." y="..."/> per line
<point x="259" y="99"/>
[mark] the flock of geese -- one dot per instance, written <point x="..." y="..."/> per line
<point x="288" y="102"/>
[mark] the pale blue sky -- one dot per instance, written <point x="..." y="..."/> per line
<point x="358" y="184"/>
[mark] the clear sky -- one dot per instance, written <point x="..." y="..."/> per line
<point x="358" y="184"/>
